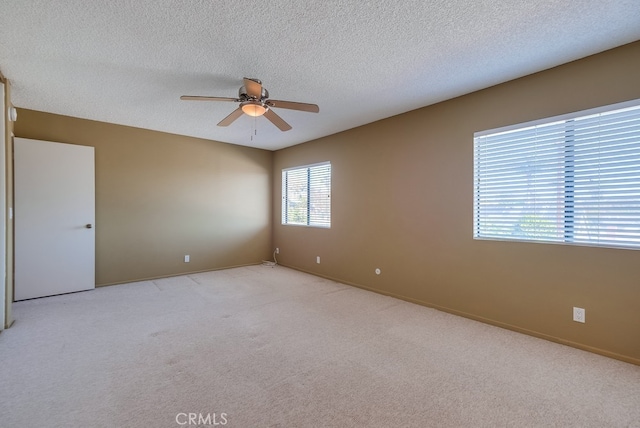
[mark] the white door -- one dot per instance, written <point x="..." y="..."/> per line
<point x="54" y="218"/>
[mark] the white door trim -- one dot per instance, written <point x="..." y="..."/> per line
<point x="3" y="208"/>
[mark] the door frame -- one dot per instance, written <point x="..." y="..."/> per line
<point x="3" y="205"/>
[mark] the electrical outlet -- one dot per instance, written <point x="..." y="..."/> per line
<point x="318" y="259"/>
<point x="277" y="250"/>
<point x="579" y="314"/>
<point x="187" y="258"/>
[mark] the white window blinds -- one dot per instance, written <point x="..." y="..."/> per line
<point x="574" y="179"/>
<point x="306" y="195"/>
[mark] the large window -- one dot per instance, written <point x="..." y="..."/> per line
<point x="572" y="179"/>
<point x="306" y="195"/>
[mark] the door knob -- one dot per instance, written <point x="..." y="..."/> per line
<point x="89" y="226"/>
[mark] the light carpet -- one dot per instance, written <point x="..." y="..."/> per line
<point x="273" y="347"/>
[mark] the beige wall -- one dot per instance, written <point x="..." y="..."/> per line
<point x="402" y="199"/>
<point x="161" y="196"/>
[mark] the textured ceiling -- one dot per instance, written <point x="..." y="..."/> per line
<point x="128" y="61"/>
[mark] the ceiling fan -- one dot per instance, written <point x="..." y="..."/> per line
<point x="254" y="101"/>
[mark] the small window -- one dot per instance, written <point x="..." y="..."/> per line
<point x="573" y="179"/>
<point x="306" y="195"/>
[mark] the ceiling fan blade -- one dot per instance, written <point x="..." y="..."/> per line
<point x="277" y="120"/>
<point x="291" y="105"/>
<point x="199" y="98"/>
<point x="253" y="87"/>
<point x="231" y="118"/>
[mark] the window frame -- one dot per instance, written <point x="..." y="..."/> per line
<point x="309" y="189"/>
<point x="567" y="181"/>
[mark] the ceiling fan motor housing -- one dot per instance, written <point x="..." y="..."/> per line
<point x="242" y="94"/>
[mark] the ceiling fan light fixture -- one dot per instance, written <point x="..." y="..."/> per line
<point x="254" y="108"/>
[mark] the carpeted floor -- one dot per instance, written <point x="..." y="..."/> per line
<point x="273" y="347"/>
